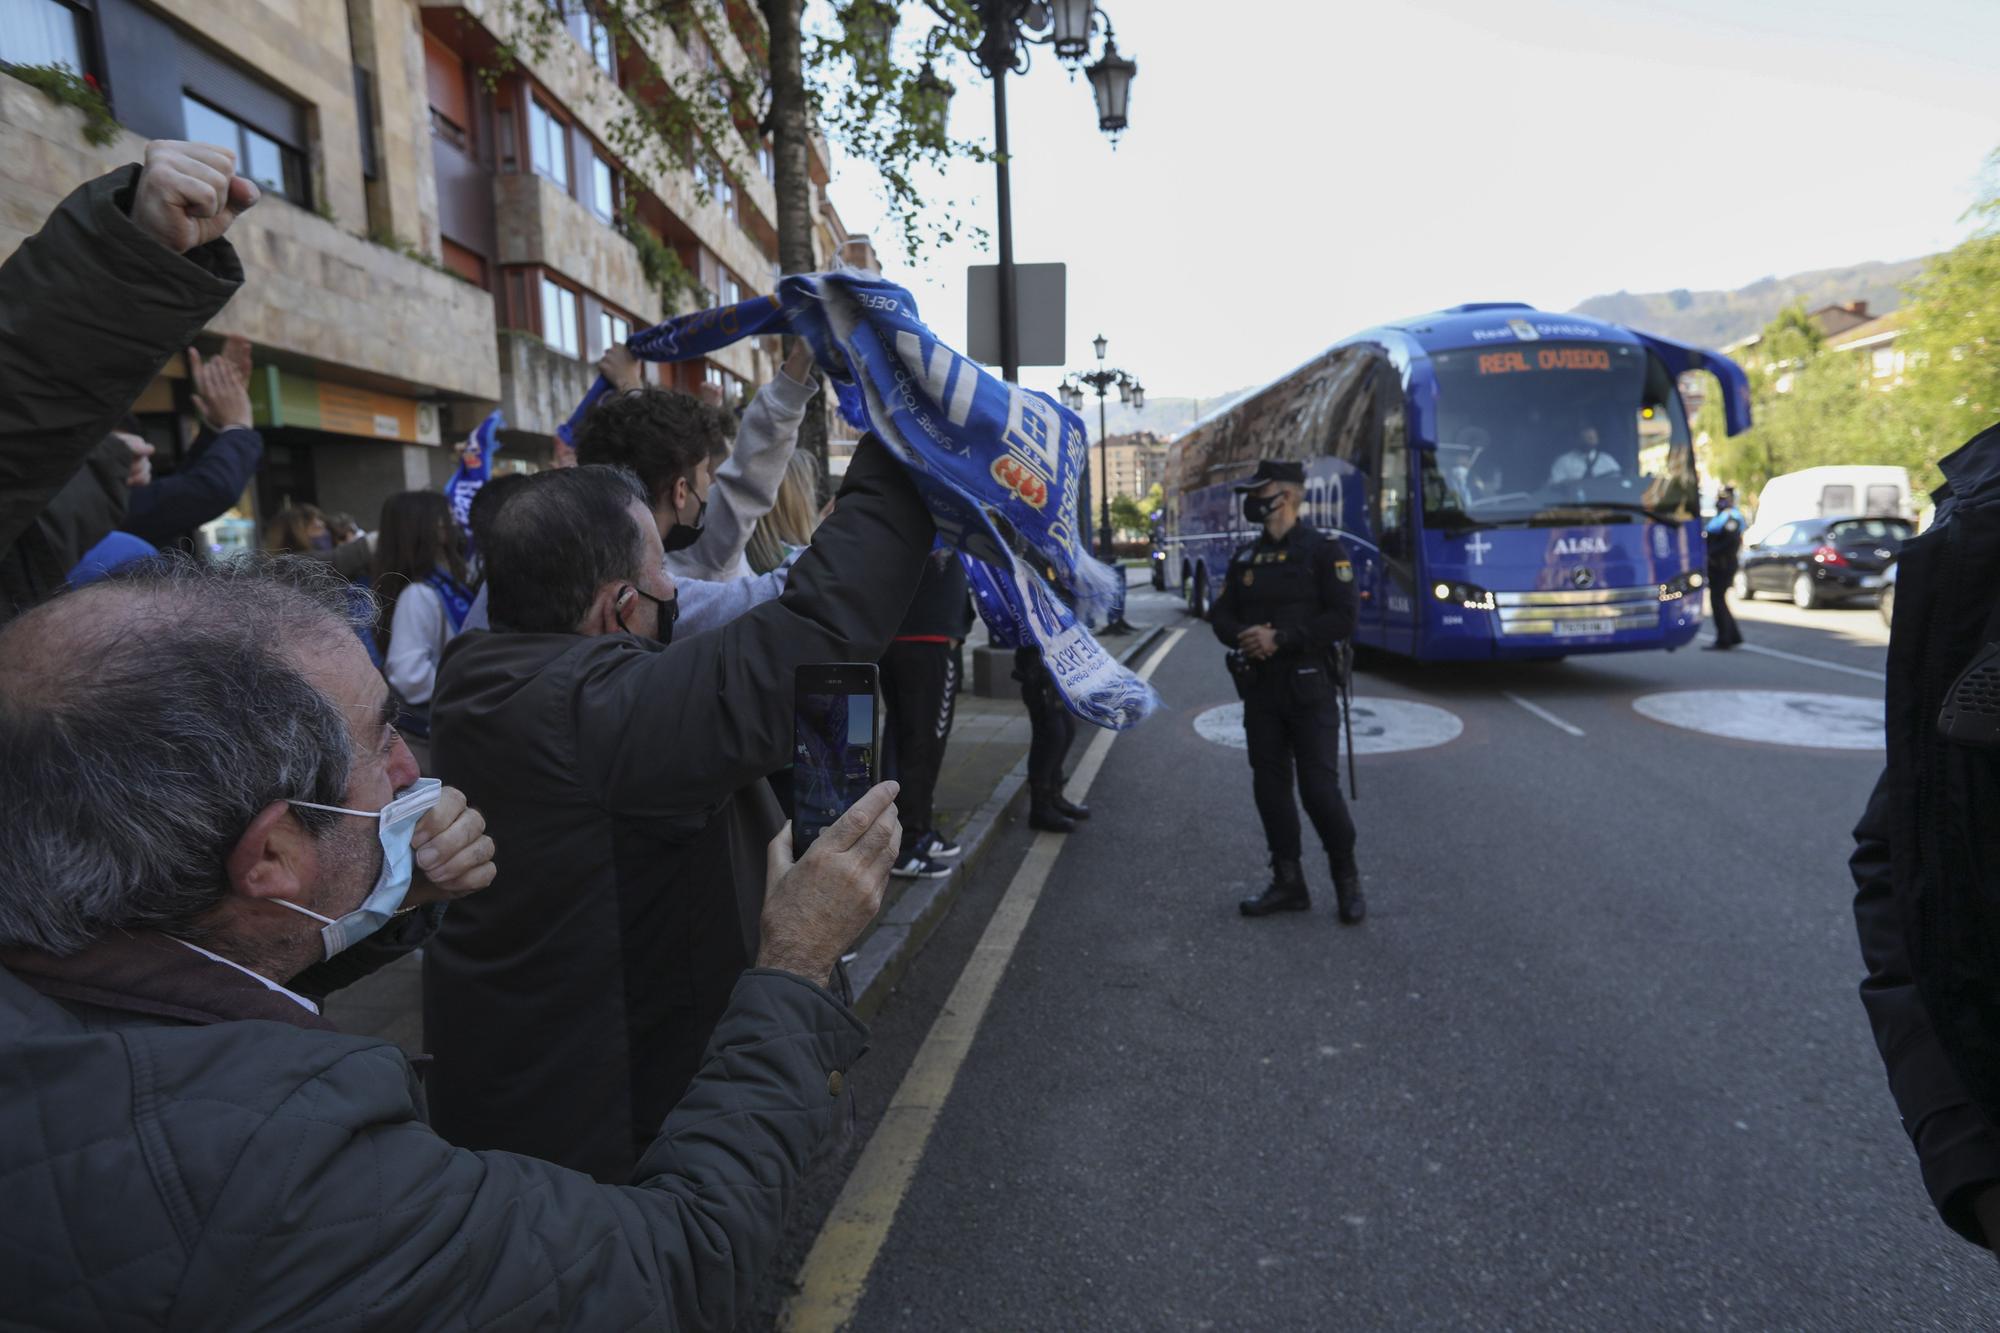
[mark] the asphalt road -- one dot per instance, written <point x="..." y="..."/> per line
<point x="1595" y="1061"/>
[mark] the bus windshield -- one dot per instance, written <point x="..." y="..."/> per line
<point x="1557" y="433"/>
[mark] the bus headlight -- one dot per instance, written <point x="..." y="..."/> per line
<point x="1674" y="589"/>
<point x="1468" y="595"/>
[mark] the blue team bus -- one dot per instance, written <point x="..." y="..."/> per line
<point x="1511" y="484"/>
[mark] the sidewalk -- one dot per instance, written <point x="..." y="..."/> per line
<point x="983" y="780"/>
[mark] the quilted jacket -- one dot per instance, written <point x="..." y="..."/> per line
<point x="168" y="1166"/>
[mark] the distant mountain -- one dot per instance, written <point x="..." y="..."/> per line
<point x="1713" y="319"/>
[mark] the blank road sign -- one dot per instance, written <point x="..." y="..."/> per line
<point x="1040" y="313"/>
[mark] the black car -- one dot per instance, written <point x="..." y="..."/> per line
<point x="1822" y="561"/>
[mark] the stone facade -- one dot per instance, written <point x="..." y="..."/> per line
<point x="312" y="289"/>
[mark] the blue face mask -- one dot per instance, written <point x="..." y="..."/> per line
<point x="398" y="824"/>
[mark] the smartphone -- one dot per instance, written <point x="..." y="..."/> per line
<point x="836" y="741"/>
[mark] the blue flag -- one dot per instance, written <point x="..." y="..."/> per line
<point x="998" y="465"/>
<point x="466" y="481"/>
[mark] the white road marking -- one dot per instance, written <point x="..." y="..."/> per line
<point x="1381" y="726"/>
<point x="1772" y="717"/>
<point x="1810" y="661"/>
<point x="1543" y="713"/>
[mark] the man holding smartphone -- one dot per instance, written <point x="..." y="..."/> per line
<point x="568" y="1010"/>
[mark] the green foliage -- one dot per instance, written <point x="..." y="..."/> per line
<point x="1134" y="514"/>
<point x="864" y="93"/>
<point x="1952" y="334"/>
<point x="65" y="87"/>
<point x="662" y="265"/>
<point x="891" y="115"/>
<point x="388" y="240"/>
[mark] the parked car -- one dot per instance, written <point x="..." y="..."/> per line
<point x="1822" y="561"/>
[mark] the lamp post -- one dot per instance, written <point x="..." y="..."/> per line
<point x="1009" y="28"/>
<point x="1102" y="381"/>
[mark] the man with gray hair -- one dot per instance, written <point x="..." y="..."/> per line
<point x="206" y="822"/>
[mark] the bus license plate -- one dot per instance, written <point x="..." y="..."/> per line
<point x="1577" y="629"/>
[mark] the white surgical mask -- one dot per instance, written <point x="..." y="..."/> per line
<point x="398" y="824"/>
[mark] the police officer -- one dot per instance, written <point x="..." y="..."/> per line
<point x="1724" y="537"/>
<point x="1286" y="604"/>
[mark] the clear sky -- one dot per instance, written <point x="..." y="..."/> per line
<point x="1299" y="169"/>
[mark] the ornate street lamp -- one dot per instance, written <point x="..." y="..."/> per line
<point x="1072" y="28"/>
<point x="1009" y="28"/>
<point x="1111" y="82"/>
<point x="1101" y="381"/>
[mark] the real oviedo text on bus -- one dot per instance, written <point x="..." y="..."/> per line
<point x="1510" y="484"/>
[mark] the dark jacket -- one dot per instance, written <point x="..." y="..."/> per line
<point x="203" y="488"/>
<point x="1927" y="857"/>
<point x="91" y="505"/>
<point x="91" y="307"/>
<point x="568" y="1003"/>
<point x="1302" y="586"/>
<point x="185" y="1148"/>
<point x="940" y="609"/>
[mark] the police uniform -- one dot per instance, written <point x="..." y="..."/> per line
<point x="1302" y="585"/>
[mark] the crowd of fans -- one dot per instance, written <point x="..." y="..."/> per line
<point x="232" y="787"/>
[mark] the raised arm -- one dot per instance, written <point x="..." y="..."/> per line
<point x="746" y="486"/>
<point x="122" y="275"/>
<point x="719" y="706"/>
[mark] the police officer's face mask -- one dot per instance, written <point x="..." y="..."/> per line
<point x="1257" y="508"/>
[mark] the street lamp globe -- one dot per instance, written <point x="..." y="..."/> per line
<point x="1100" y="342"/>
<point x="1138" y="395"/>
<point x="1124" y="391"/>
<point x="1111" y="82"/>
<point x="932" y="95"/>
<point x="1072" y="28"/>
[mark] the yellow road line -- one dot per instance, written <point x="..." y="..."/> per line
<point x="834" y="1274"/>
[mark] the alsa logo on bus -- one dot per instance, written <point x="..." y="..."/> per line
<point x="1582" y="546"/>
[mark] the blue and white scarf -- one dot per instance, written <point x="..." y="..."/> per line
<point x="466" y="481"/>
<point x="998" y="465"/>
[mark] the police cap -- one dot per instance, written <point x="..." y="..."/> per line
<point x="1270" y="470"/>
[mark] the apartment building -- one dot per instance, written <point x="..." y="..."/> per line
<point x="1133" y="464"/>
<point x="445" y="230"/>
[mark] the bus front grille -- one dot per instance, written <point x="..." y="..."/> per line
<point x="1552" y="612"/>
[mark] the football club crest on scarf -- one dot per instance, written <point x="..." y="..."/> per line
<point x="998" y="465"/>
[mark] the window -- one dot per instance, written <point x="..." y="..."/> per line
<point x="728" y="290"/>
<point x="263" y="159"/>
<point x="40" y="32"/>
<point x="562" y="322"/>
<point x="548" y="143"/>
<point x="1836" y="500"/>
<point x="612" y="329"/>
<point x="603" y="188"/>
<point x="1885" y="499"/>
<point x="603" y="51"/>
<point x="767" y="162"/>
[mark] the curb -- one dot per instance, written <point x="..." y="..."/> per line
<point x="906" y="927"/>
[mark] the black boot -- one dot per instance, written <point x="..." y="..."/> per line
<point x="1286" y="894"/>
<point x="1347" y="893"/>
<point x="1065" y="806"/>
<point x="1044" y="815"/>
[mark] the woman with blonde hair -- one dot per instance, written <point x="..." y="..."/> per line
<point x="792" y="518"/>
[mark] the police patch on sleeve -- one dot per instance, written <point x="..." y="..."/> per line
<point x="1344" y="570"/>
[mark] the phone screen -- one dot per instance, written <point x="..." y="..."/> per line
<point x="833" y="747"/>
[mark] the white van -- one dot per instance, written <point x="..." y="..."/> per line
<point x="1854" y="489"/>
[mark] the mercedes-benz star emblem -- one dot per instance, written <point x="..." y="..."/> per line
<point x="1582" y="578"/>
